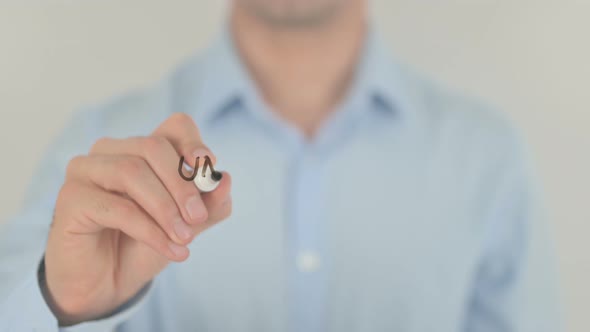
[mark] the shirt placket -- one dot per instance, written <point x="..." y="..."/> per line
<point x="306" y="242"/>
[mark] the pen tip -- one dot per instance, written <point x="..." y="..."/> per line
<point x="216" y="176"/>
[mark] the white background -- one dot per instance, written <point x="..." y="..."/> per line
<point x="528" y="57"/>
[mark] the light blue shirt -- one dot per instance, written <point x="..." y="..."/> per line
<point x="411" y="210"/>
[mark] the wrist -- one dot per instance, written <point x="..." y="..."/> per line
<point x="63" y="317"/>
<point x="77" y="314"/>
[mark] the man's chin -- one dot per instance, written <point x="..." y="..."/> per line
<point x="293" y="13"/>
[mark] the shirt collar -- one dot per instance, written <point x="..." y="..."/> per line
<point x="378" y="85"/>
<point x="224" y="83"/>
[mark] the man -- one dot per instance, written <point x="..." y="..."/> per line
<point x="364" y="198"/>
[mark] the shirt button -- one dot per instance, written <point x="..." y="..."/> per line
<point x="308" y="261"/>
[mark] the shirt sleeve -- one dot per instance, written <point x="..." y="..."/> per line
<point x="23" y="239"/>
<point x="111" y="321"/>
<point x="515" y="283"/>
<point x="26" y="310"/>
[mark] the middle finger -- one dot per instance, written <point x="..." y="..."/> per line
<point x="161" y="156"/>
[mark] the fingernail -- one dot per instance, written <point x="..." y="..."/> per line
<point x="178" y="251"/>
<point x="201" y="152"/>
<point x="182" y="230"/>
<point x="195" y="208"/>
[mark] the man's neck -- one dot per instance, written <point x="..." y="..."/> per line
<point x="302" y="72"/>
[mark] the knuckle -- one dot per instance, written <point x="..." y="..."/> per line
<point x="74" y="164"/>
<point x="154" y="144"/>
<point x="132" y="167"/>
<point x="100" y="143"/>
<point x="180" y="119"/>
<point x="67" y="192"/>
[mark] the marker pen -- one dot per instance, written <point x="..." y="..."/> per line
<point x="205" y="177"/>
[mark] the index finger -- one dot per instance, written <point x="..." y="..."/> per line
<point x="183" y="133"/>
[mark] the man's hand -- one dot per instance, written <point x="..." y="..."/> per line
<point x="122" y="214"/>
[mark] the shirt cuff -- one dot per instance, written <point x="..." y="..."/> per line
<point x="110" y="322"/>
